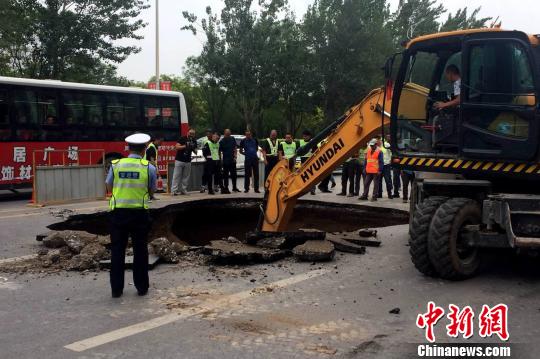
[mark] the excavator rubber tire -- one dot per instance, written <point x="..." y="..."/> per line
<point x="418" y="234"/>
<point x="443" y="239"/>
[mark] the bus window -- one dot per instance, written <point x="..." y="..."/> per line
<point x="152" y="112"/>
<point x="5" y="130"/>
<point x="132" y="112"/>
<point x="115" y="111"/>
<point x="4" y="108"/>
<point x="25" y="107"/>
<point x="93" y="109"/>
<point x="46" y="103"/>
<point x="169" y="111"/>
<point x="73" y="106"/>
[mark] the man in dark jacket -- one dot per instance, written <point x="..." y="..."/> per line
<point x="228" y="150"/>
<point x="249" y="147"/>
<point x="186" y="146"/>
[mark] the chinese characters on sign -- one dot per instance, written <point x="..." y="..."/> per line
<point x="17" y="171"/>
<point x="46" y="152"/>
<point x="491" y="321"/>
<point x="8" y="173"/>
<point x="73" y="153"/>
<point x="19" y="154"/>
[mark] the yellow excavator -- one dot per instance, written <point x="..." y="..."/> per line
<point x="339" y="140"/>
<point x="478" y="163"/>
<point x="331" y="148"/>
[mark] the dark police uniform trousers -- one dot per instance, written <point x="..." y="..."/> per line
<point x="125" y="224"/>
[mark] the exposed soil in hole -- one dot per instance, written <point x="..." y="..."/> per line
<point x="198" y="222"/>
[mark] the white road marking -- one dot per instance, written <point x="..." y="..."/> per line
<point x="17" y="259"/>
<point x="185" y="313"/>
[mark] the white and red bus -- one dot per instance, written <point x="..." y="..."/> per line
<point x="48" y="115"/>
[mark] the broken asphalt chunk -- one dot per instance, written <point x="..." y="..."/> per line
<point x="223" y="252"/>
<point x="314" y="250"/>
<point x="346" y="246"/>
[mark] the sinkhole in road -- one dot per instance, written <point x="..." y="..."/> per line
<point x="198" y="222"/>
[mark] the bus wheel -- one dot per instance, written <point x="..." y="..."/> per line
<point x="418" y="234"/>
<point x="448" y="252"/>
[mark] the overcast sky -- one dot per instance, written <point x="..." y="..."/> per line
<point x="177" y="45"/>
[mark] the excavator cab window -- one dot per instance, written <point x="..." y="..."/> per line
<point x="499" y="106"/>
<point x="498" y="112"/>
<point x="425" y="84"/>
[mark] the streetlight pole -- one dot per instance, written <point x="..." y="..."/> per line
<point x="157" y="45"/>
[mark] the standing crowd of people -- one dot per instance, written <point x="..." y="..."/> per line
<point x="370" y="166"/>
<point x="373" y="165"/>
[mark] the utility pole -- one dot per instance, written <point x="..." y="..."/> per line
<point x="157" y="45"/>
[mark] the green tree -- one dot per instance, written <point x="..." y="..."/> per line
<point x="415" y="18"/>
<point x="208" y="69"/>
<point x="69" y="39"/>
<point x="461" y="21"/>
<point x="348" y="42"/>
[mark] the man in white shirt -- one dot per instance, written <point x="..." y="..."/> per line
<point x="452" y="75"/>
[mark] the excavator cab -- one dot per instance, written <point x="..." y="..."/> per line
<point x="478" y="161"/>
<point x="497" y="112"/>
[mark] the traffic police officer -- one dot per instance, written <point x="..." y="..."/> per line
<point x="132" y="181"/>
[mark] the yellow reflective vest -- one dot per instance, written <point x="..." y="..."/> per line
<point x="273" y="148"/>
<point x="289" y="149"/>
<point x="131" y="182"/>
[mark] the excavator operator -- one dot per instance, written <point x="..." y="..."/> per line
<point x="452" y="75"/>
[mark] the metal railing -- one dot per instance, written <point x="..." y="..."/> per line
<point x="62" y="176"/>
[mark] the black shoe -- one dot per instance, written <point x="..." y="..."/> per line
<point x="333" y="185"/>
<point x="212" y="193"/>
<point x="313" y="193"/>
<point x="395" y="195"/>
<point x="117" y="294"/>
<point x="373" y="199"/>
<point x="257" y="191"/>
<point x="326" y="190"/>
<point x="225" y="191"/>
<point x="341" y="194"/>
<point x="390" y="196"/>
<point x="363" y="198"/>
<point x="246" y="190"/>
<point x="235" y="190"/>
<point x="350" y="195"/>
<point x="142" y="292"/>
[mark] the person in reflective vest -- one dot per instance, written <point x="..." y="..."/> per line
<point x="212" y="166"/>
<point x="386" y="173"/>
<point x="287" y="148"/>
<point x="270" y="152"/>
<point x="374" y="166"/>
<point x="132" y="181"/>
<point x="306" y="138"/>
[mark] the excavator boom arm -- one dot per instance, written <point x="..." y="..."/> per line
<point x="284" y="187"/>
